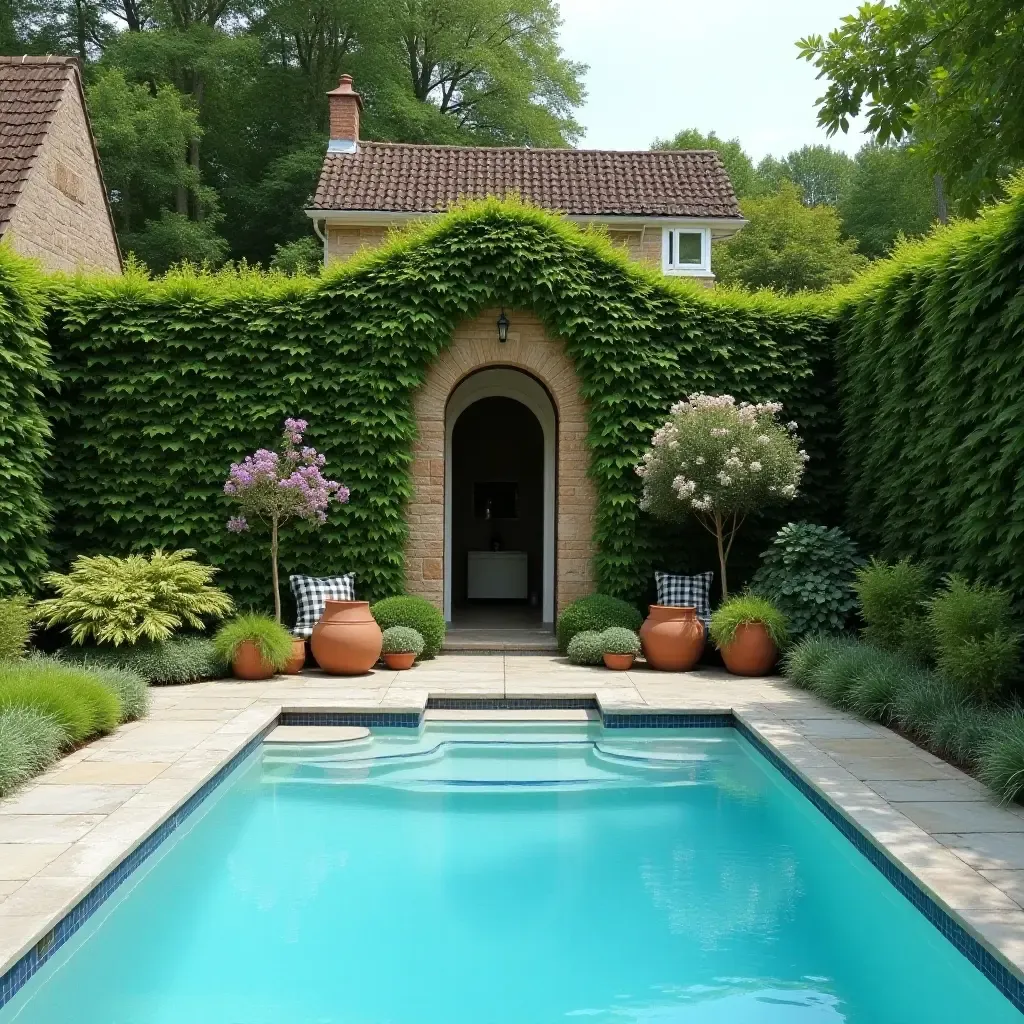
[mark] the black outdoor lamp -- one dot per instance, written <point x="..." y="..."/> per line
<point x="502" y="326"/>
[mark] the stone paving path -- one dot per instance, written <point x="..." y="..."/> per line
<point x="64" y="832"/>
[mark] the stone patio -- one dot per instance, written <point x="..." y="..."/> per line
<point x="63" y="833"/>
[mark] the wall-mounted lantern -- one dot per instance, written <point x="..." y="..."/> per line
<point x="503" y="326"/>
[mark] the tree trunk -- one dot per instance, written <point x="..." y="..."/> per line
<point x="941" y="210"/>
<point x="719" y="540"/>
<point x="273" y="568"/>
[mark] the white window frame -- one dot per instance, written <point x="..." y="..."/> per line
<point x="703" y="269"/>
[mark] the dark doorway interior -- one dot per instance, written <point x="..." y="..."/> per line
<point x="497" y="514"/>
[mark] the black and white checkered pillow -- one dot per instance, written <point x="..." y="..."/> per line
<point x="312" y="594"/>
<point x="686" y="592"/>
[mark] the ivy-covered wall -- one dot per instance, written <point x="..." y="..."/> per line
<point x="24" y="372"/>
<point x="932" y="346"/>
<point x="165" y="382"/>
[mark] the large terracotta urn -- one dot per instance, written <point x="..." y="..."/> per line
<point x="293" y="666"/>
<point x="672" y="638"/>
<point x="249" y="663"/>
<point x="347" y="640"/>
<point x="751" y="651"/>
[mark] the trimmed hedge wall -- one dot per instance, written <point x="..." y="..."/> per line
<point x="932" y="346"/>
<point x="166" y="382"/>
<point x="24" y="433"/>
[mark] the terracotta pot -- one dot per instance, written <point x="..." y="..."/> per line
<point x="248" y="662"/>
<point x="672" y="638"/>
<point x="618" y="662"/>
<point x="751" y="652"/>
<point x="295" y="663"/>
<point x="400" y="661"/>
<point x="346" y="641"/>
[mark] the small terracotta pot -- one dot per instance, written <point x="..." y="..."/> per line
<point x="298" y="659"/>
<point x="249" y="663"/>
<point x="752" y="652"/>
<point x="672" y="638"/>
<point x="400" y="661"/>
<point x="618" y="662"/>
<point x="347" y="640"/>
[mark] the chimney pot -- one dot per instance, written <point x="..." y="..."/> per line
<point x="346" y="104"/>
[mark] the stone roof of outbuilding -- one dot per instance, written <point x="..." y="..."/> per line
<point x="399" y="178"/>
<point x="31" y="90"/>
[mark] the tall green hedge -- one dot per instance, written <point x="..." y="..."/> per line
<point x="166" y="382"/>
<point x="932" y="345"/>
<point x="24" y="433"/>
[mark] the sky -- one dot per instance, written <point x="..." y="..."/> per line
<point x="658" y="66"/>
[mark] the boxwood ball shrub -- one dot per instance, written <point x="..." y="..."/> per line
<point x="30" y="741"/>
<point x="808" y="572"/>
<point x="71" y="695"/>
<point x="594" y="613"/>
<point x="894" y="605"/>
<point x="402" y="640"/>
<point x="417" y="613"/>
<point x="182" y="659"/>
<point x="619" y="640"/>
<point x="273" y="640"/>
<point x="735" y="611"/>
<point x="586" y="648"/>
<point x="976" y="645"/>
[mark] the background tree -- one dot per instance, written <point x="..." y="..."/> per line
<point x="948" y="72"/>
<point x="821" y="173"/>
<point x="787" y="246"/>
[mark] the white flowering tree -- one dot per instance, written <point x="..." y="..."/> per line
<point x="719" y="461"/>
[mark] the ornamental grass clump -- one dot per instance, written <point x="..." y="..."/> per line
<point x="276" y="487"/>
<point x="132" y="690"/>
<point x="736" y="611"/>
<point x="124" y="600"/>
<point x="719" y="461"/>
<point x="619" y="640"/>
<point x="804" y="660"/>
<point x="873" y="692"/>
<point x="841" y="672"/>
<point x="30" y="741"/>
<point x="273" y="641"/>
<point x="402" y="640"/>
<point x="15" y="626"/>
<point x="1001" y="759"/>
<point x="182" y="659"/>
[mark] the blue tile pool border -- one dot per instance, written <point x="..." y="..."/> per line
<point x="15" y="978"/>
<point x="1012" y="987"/>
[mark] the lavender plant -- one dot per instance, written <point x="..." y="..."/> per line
<point x="278" y="486"/>
<point x="720" y="461"/>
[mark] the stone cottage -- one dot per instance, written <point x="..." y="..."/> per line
<point x="501" y="523"/>
<point x="53" y="203"/>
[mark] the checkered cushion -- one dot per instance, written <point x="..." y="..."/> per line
<point x="312" y="594"/>
<point x="686" y="592"/>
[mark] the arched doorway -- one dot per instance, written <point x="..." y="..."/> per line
<point x="499" y="533"/>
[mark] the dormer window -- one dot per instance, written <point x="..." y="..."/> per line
<point x="686" y="250"/>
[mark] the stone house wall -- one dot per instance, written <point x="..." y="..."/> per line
<point x="343" y="242"/>
<point x="475" y="346"/>
<point x="61" y="216"/>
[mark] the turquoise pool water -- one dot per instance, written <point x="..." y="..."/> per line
<point x="471" y="874"/>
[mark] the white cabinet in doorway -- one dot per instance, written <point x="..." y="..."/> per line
<point x="497" y="575"/>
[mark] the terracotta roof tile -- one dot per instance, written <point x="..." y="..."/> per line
<point x="427" y="179"/>
<point x="30" y="93"/>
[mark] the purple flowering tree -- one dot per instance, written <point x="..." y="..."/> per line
<point x="277" y="486"/>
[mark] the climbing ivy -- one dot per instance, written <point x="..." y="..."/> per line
<point x="24" y="372"/>
<point x="165" y="382"/>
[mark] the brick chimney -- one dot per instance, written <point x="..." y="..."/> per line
<point x="345" y="106"/>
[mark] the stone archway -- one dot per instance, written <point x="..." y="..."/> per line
<point x="475" y="346"/>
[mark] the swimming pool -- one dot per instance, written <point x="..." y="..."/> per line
<point x="469" y="872"/>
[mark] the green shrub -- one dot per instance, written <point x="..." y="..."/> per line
<point x="15" y="626"/>
<point x="808" y="574"/>
<point x="894" y="605"/>
<point x="182" y="659"/>
<point x="417" y="613"/>
<point x="273" y="640"/>
<point x="586" y="648"/>
<point x="402" y="640"/>
<point x="842" y="670"/>
<point x="30" y="741"/>
<point x="1001" y="761"/>
<point x="960" y="730"/>
<point x="976" y="646"/>
<point x="920" y="698"/>
<point x="132" y="690"/>
<point x="735" y="611"/>
<point x="124" y="600"/>
<point x="619" y="640"/>
<point x="803" y="661"/>
<point x="73" y="696"/>
<point x="873" y="691"/>
<point x="594" y="613"/>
